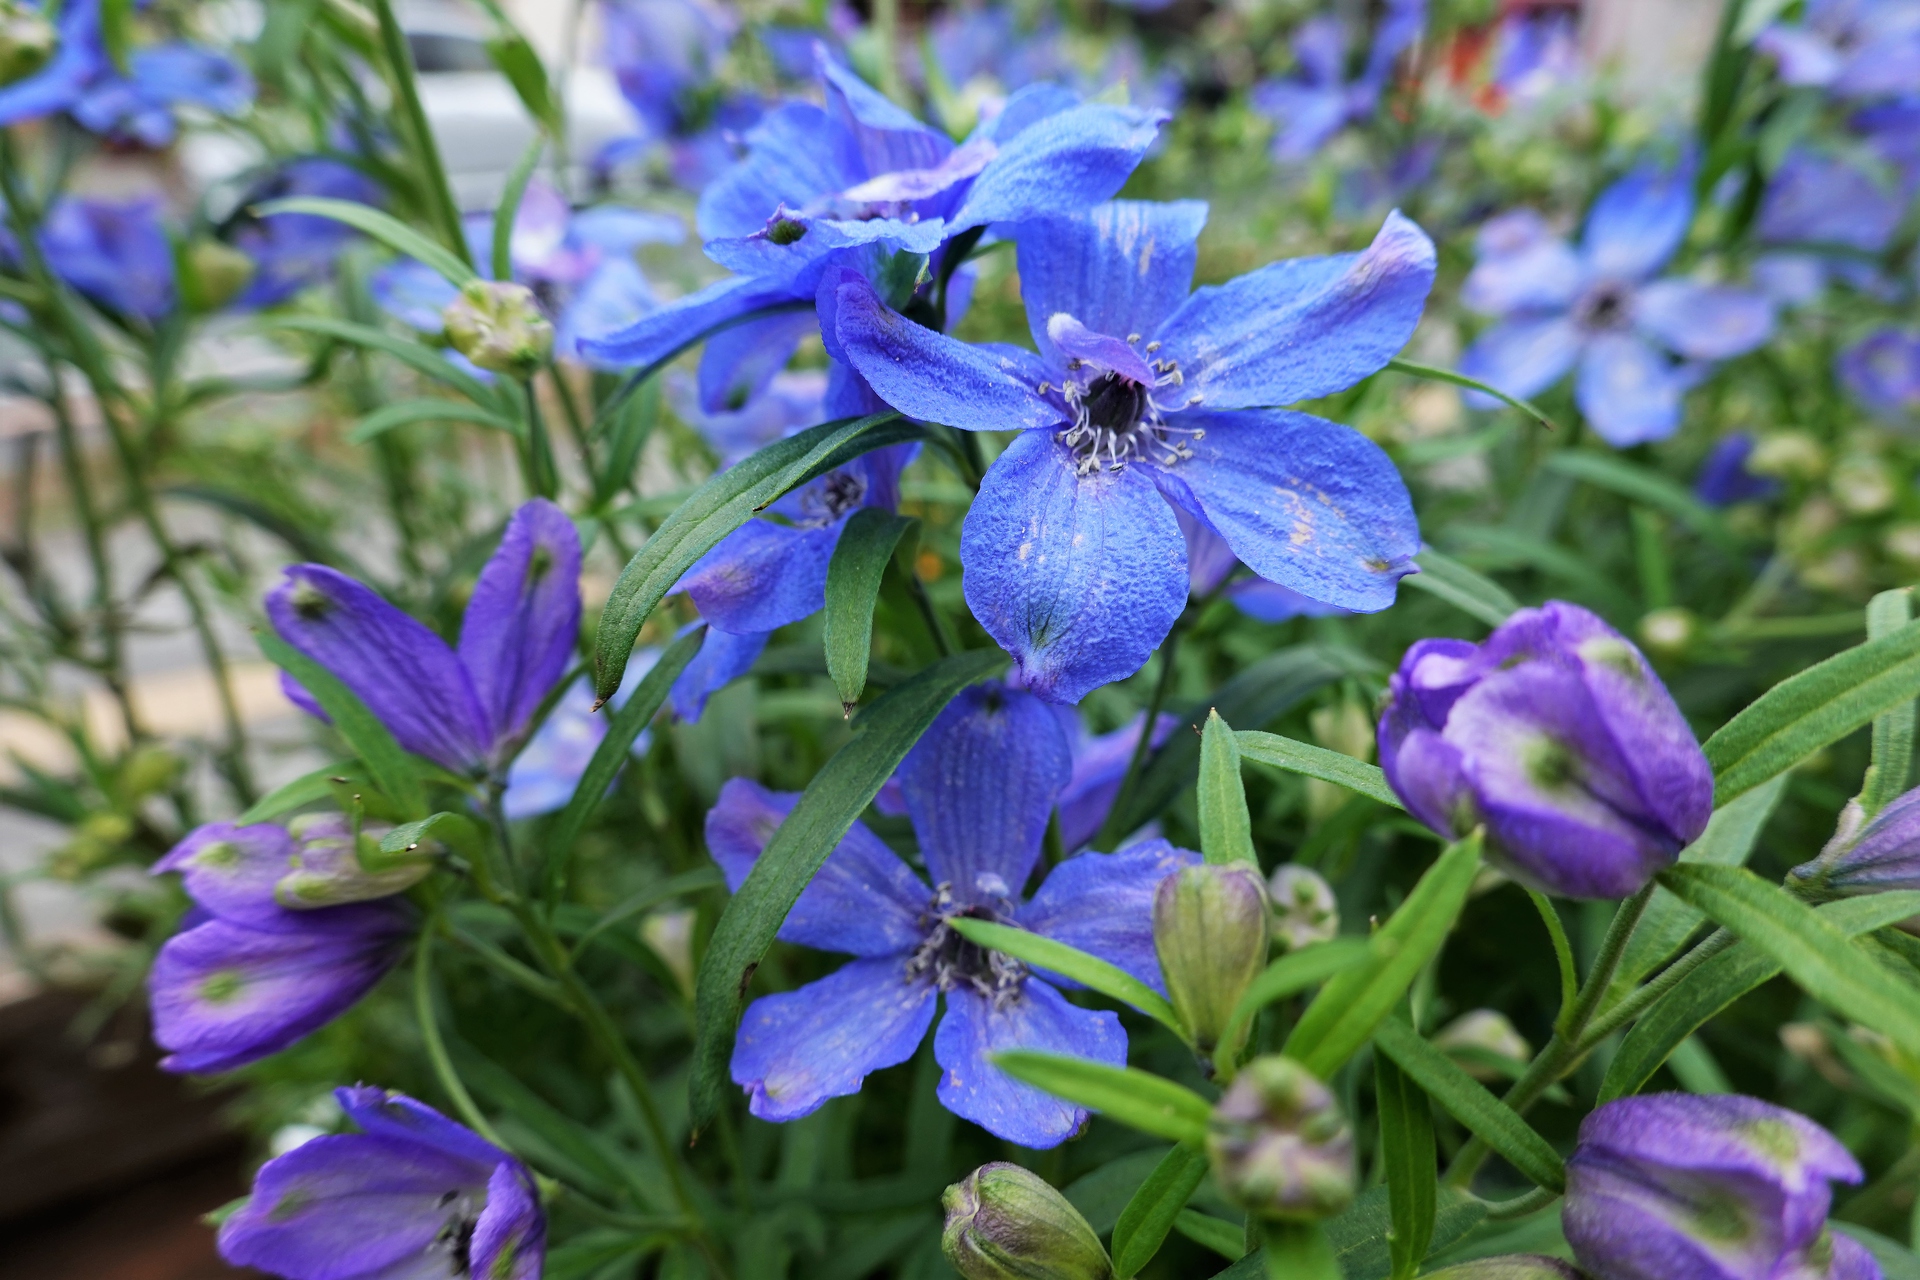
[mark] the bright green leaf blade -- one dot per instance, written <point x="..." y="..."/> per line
<point x="1816" y="954"/>
<point x="1892" y="760"/>
<point x="523" y="69"/>
<point x="1294" y="973"/>
<point x="421" y="359"/>
<point x="308" y="788"/>
<point x="1469" y="1102"/>
<point x="1070" y="962"/>
<point x="1133" y="1097"/>
<point x="387" y="765"/>
<point x="1226" y="832"/>
<point x="1813" y="709"/>
<point x="713" y="511"/>
<point x="853" y="587"/>
<point x="845" y="785"/>
<point x="1150" y="1214"/>
<point x="1470" y="592"/>
<point x="1102" y="1194"/>
<point x="1343" y="1016"/>
<point x="1637" y="484"/>
<point x="382" y="226"/>
<point x="427" y="409"/>
<point x="1317" y="762"/>
<point x="508" y="209"/>
<point x="1407" y="1154"/>
<point x="1209" y="1232"/>
<point x="1435" y="374"/>
<point x="452" y="829"/>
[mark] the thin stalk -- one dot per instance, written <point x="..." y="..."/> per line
<point x="442" y="208"/>
<point x="542" y="477"/>
<point x="1109" y="830"/>
<point x="450" y="1081"/>
<point x="1562" y="952"/>
<point x="935" y="620"/>
<point x="1634" y="1005"/>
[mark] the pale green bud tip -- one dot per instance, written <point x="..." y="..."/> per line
<point x="27" y="41"/>
<point x="1280" y="1145"/>
<point x="1669" y="632"/>
<point x="215" y="274"/>
<point x="1006" y="1223"/>
<point x="499" y="326"/>
<point x="1515" y="1266"/>
<point x="1210" y="928"/>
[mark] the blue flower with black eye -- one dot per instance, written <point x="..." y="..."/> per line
<point x="1143" y="400"/>
<point x="1597" y="306"/>
<point x="1319" y="101"/>
<point x="978" y="788"/>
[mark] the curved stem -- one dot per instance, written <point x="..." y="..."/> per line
<point x="450" y="1081"/>
<point x="1109" y="829"/>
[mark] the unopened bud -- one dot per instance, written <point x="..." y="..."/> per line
<point x="1668" y="633"/>
<point x="1281" y="1146"/>
<point x="334" y="868"/>
<point x="1304" y="910"/>
<point x="499" y="326"/>
<point x="215" y="274"/>
<point x="1210" y="928"/>
<point x="27" y="41"/>
<point x="670" y="935"/>
<point x="1006" y="1223"/>
<point x="1862" y="485"/>
<point x="1515" y="1266"/>
<point x="1482" y="1039"/>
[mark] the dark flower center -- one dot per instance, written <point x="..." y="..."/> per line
<point x="1605" y="307"/>
<point x="1117" y="419"/>
<point x="952" y="961"/>
<point x="837" y="493"/>
<point x="1115" y="403"/>
<point x="456" y="1235"/>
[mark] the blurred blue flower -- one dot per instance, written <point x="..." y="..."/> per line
<point x="1882" y="372"/>
<point x="1537" y="48"/>
<point x="293" y="250"/>
<point x="116" y="253"/>
<point x="1145" y="399"/>
<point x="1597" y="306"/>
<point x="1724" y="478"/>
<point x="1319" y="100"/>
<point x="978" y="787"/>
<point x="1851" y="48"/>
<point x="549" y="767"/>
<point x="663" y="52"/>
<point x="1816" y="201"/>
<point x="986" y="52"/>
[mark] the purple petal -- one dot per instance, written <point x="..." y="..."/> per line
<point x="1305" y="327"/>
<point x="660" y="334"/>
<point x="1064" y="163"/>
<point x="1038" y="1018"/>
<point x="386" y="1114"/>
<point x="1307" y="115"/>
<point x="1121" y="269"/>
<point x="612" y="299"/>
<point x="1703" y="322"/>
<point x="509" y="1241"/>
<point x="1523" y="267"/>
<point x="723" y="657"/>
<point x="1815" y="198"/>
<point x="1802" y="57"/>
<point x="864" y="900"/>
<point x="1209" y="558"/>
<point x="1521" y="356"/>
<point x="231" y="870"/>
<point x="797" y="1049"/>
<point x="1102" y="904"/>
<point x="1882" y="372"/>
<point x="763" y="576"/>
<point x="524" y="617"/>
<point x="887" y="137"/>
<point x="738" y="363"/>
<point x="1079" y="577"/>
<point x="1628" y="391"/>
<point x="980" y="785"/>
<point x="795" y="158"/>
<point x="1265" y="601"/>
<point x="1638" y="222"/>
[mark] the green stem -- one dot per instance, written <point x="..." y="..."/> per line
<point x="1562" y="953"/>
<point x="441" y="206"/>
<point x="1110" y="833"/>
<point x="1299" y="1251"/>
<point x="542" y="476"/>
<point x="450" y="1082"/>
<point x="1634" y="1005"/>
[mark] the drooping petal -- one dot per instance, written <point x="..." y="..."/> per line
<point x="231" y="870"/>
<point x="979" y="786"/>
<point x="1120" y="269"/>
<point x="864" y="900"/>
<point x="1062" y="164"/>
<point x="510" y="1239"/>
<point x="1521" y="356"/>
<point x="658" y="335"/>
<point x="1302" y="327"/>
<point x="523" y="619"/>
<point x="738" y="363"/>
<point x="795" y="156"/>
<point x="1307" y="503"/>
<point x="886" y="137"/>
<point x="613" y="298"/>
<point x="386" y="1114"/>
<point x="930" y="376"/>
<point x="797" y="1049"/>
<point x="723" y="657"/>
<point x="406" y="675"/>
<point x="1703" y="322"/>
<point x="1079" y="577"/>
<point x="1102" y="903"/>
<point x="1037" y="1018"/>
<point x="1628" y="391"/>
<point x="1639" y="221"/>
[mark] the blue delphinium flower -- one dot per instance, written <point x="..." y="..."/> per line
<point x="1851" y="48"/>
<point x="466" y="709"/>
<point x="1211" y="567"/>
<point x="116" y="253"/>
<point x="411" y="1195"/>
<point x="1144" y="399"/>
<point x="1537" y="48"/>
<point x="1815" y="200"/>
<point x="1099" y="767"/>
<point x="293" y="250"/>
<point x="1598" y="306"/>
<point x="978" y="787"/>
<point x="663" y="52"/>
<point x="1882" y="372"/>
<point x="1724" y="478"/>
<point x="549" y="767"/>
<point x="1319" y="100"/>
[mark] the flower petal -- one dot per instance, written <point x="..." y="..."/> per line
<point x="763" y="576"/>
<point x="524" y="617"/>
<point x="1306" y="115"/>
<point x="1521" y="356"/>
<point x="1303" y="327"/>
<point x="1802" y="57"/>
<point x="1523" y="267"/>
<point x="1639" y="221"/>
<point x="723" y="657"/>
<point x="1102" y="903"/>
<point x="1061" y="164"/>
<point x="659" y="334"/>
<point x="510" y="1239"/>
<point x="1079" y="577"/>
<point x="1629" y="392"/>
<point x="231" y="870"/>
<point x="796" y="155"/>
<point x="1307" y="503"/>
<point x="797" y="1049"/>
<point x="738" y="363"/>
<point x="1703" y="322"/>
<point x="864" y="900"/>
<point x="886" y="137"/>
<point x="1099" y="767"/>
<point x="387" y="1114"/>
<point x="1037" y="1018"/>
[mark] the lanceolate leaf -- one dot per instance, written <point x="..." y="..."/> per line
<point x="845" y="785"/>
<point x="1226" y="831"/>
<point x="1408" y="1155"/>
<point x="1217" y="1234"/>
<point x="853" y="586"/>
<point x="1133" y="1097"/>
<point x="1071" y="962"/>
<point x="384" y="227"/>
<point x="508" y="210"/>
<point x="428" y="409"/>
<point x="1150" y="1215"/>
<point x="1892" y="766"/>
<point x="1294" y="973"/>
<point x="1461" y="587"/>
<point x="1353" y="1003"/>
<point x="1637" y="484"/>
<point x="453" y="829"/>
<point x="1808" y="711"/>
<point x="715" y="510"/>
<point x="1317" y="762"/>
<point x="387" y="765"/>
<point x="308" y="788"/>
<point x="421" y="359"/>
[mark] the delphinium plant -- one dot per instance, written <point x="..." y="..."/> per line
<point x="1063" y="411"/>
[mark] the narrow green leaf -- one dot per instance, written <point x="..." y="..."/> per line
<point x="1343" y="1016"/>
<point x="387" y="765"/>
<point x="416" y="356"/>
<point x="428" y="409"/>
<point x="1294" y="973"/>
<point x="1408" y="1155"/>
<point x="1150" y="1214"/>
<point x="452" y="829"/>
<point x="1813" y="709"/>
<point x="1434" y="374"/>
<point x="116" y="32"/>
<point x="1300" y="1251"/>
<point x="715" y="510"/>
<point x="382" y="226"/>
<point x="524" y="71"/>
<point x="1209" y="1232"/>
<point x="1892" y="760"/>
<point x="1070" y="962"/>
<point x="882" y="734"/>
<point x="1470" y="592"/>
<point x="1637" y="484"/>
<point x="1133" y="1097"/>
<point x="691" y="881"/>
<point x="1101" y="1195"/>
<point x="1317" y="762"/>
<point x="1817" y="955"/>
<point x="509" y="207"/>
<point x="1226" y="832"/>
<point x="308" y="788"/>
<point x="853" y="587"/>
<point x="559" y="1134"/>
<point x="1360" y="1235"/>
<point x="1469" y="1102"/>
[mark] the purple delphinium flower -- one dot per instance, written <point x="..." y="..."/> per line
<point x="467" y="710"/>
<point x="411" y="1195"/>
<point x="1318" y="101"/>
<point x="115" y="253"/>
<point x="1851" y="48"/>
<point x="1870" y="856"/>
<point x="1143" y="400"/>
<point x="1557" y="736"/>
<point x="293" y="250"/>
<point x="250" y="975"/>
<point x="1598" y="306"/>
<point x="1674" y="1186"/>
<point x="978" y="787"/>
<point x="1724" y="478"/>
<point x="1882" y="372"/>
<point x="1815" y="201"/>
<point x="549" y="767"/>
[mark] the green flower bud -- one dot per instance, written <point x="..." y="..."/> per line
<point x="1210" y="928"/>
<point x="213" y="274"/>
<point x="1668" y="633"/>
<point x="1005" y="1223"/>
<point x="499" y="326"/>
<point x="333" y="868"/>
<point x="1280" y="1145"/>
<point x="1482" y="1039"/>
<point x="1304" y="910"/>
<point x="27" y="41"/>
<point x="1514" y="1266"/>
